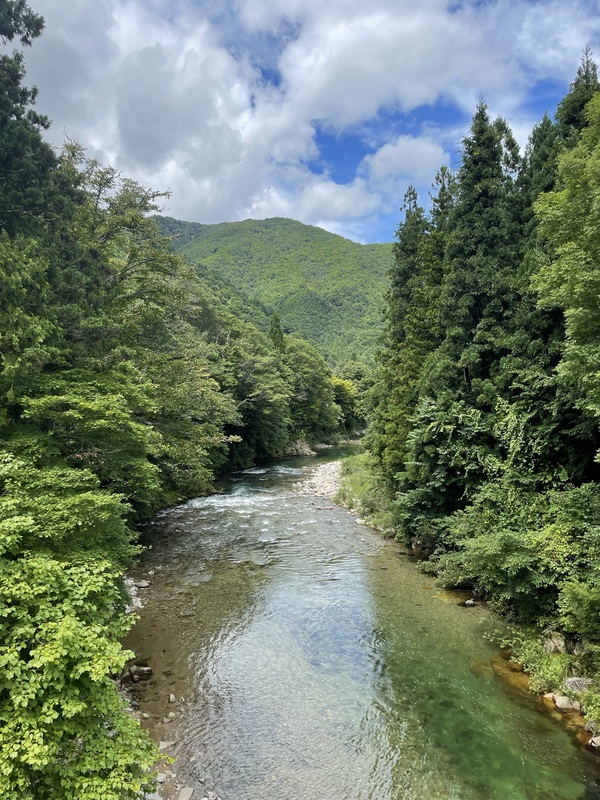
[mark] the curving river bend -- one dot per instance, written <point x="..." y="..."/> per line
<point x="312" y="661"/>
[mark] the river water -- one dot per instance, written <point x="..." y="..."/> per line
<point x="311" y="660"/>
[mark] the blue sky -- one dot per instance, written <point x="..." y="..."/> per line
<point x="318" y="111"/>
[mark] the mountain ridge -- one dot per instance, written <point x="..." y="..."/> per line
<point x="325" y="288"/>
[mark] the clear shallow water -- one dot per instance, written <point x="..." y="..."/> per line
<point x="315" y="661"/>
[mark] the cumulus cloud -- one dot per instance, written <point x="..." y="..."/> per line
<point x="408" y="159"/>
<point x="221" y="101"/>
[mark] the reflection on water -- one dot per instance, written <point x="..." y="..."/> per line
<point x="313" y="664"/>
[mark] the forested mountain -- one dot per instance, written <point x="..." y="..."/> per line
<point x="485" y="412"/>
<point x="323" y="287"/>
<point x="126" y="384"/>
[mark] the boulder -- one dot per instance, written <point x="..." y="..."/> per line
<point x="578" y="649"/>
<point x="591" y="726"/>
<point x="299" y="448"/>
<point x="564" y="703"/>
<point x="555" y="643"/>
<point x="577" y="684"/>
<point x="594" y="742"/>
<point x="144" y="672"/>
<point x="165" y="745"/>
<point x="142" y="584"/>
<point x="186" y="793"/>
<point x="470" y="603"/>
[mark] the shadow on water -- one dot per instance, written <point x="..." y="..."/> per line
<point x="313" y="664"/>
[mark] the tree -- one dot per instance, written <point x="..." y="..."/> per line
<point x="26" y="161"/>
<point x="276" y="334"/>
<point x="571" y="113"/>
<point x="314" y="412"/>
<point x="570" y="279"/>
<point x="410" y="333"/>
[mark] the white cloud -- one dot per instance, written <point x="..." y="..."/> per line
<point x="173" y="93"/>
<point x="406" y="160"/>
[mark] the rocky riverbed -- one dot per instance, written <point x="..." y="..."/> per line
<point x="324" y="481"/>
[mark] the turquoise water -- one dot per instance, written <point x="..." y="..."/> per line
<point x="315" y="661"/>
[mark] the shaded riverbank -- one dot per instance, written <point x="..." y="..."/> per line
<point x="308" y="658"/>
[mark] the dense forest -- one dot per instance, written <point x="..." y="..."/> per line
<point x="137" y="367"/>
<point x="482" y="452"/>
<point x="323" y="287"/>
<point x="127" y="383"/>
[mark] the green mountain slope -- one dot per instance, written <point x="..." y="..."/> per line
<point x="326" y="288"/>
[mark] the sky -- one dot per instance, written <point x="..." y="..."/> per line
<point x="319" y="110"/>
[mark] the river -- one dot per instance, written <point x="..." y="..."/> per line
<point x="311" y="660"/>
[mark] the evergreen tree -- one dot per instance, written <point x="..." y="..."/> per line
<point x="571" y="114"/>
<point x="26" y="161"/>
<point x="276" y="334"/>
<point x="481" y="254"/>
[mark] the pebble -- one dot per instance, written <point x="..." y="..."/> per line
<point x="172" y="698"/>
<point x="144" y="672"/>
<point x="324" y="480"/>
<point x="186" y="793"/>
<point x="161" y="777"/>
<point x="142" y="584"/>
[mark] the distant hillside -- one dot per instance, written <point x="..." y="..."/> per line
<point x="326" y="288"/>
